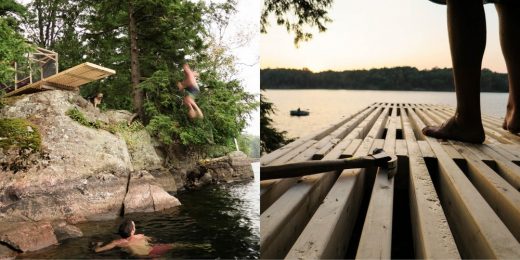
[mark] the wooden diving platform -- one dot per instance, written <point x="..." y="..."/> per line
<point x="70" y="79"/>
<point x="449" y="199"/>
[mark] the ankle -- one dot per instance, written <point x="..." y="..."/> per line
<point x="468" y="120"/>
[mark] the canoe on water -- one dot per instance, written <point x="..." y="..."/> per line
<point x="299" y="112"/>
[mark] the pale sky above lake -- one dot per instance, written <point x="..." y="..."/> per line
<point x="374" y="34"/>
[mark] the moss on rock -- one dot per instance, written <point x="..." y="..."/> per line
<point x="18" y="132"/>
<point x="78" y="116"/>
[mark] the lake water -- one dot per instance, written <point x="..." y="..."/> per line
<point x="219" y="221"/>
<point x="329" y="106"/>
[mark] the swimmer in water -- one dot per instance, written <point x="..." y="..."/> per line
<point x="138" y="245"/>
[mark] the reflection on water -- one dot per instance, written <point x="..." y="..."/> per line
<point x="220" y="222"/>
<point x="328" y="106"/>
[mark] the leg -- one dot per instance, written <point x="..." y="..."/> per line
<point x="180" y="86"/>
<point x="509" y="19"/>
<point x="188" y="102"/>
<point x="191" y="112"/>
<point x="197" y="110"/>
<point x="467" y="34"/>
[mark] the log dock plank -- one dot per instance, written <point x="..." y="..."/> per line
<point x="463" y="199"/>
<point x="327" y="233"/>
<point x="376" y="238"/>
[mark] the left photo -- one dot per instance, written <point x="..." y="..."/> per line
<point x="129" y="129"/>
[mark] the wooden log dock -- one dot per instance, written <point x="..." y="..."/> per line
<point x="449" y="199"/>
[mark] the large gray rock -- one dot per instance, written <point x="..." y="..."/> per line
<point x="63" y="230"/>
<point x="27" y="237"/>
<point x="235" y="166"/>
<point x="145" y="195"/>
<point x="82" y="171"/>
<point x="80" y="174"/>
<point x="142" y="151"/>
<point x="6" y="253"/>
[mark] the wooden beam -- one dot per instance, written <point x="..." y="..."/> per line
<point x="468" y="213"/>
<point x="500" y="195"/>
<point x="328" y="232"/>
<point x="432" y="236"/>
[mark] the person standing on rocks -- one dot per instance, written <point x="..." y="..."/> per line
<point x="191" y="89"/>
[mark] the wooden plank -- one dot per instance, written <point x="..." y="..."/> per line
<point x="508" y="170"/>
<point x="376" y="237"/>
<point x="400" y="148"/>
<point x="328" y="232"/>
<point x="68" y="76"/>
<point x="325" y="149"/>
<point x="506" y="153"/>
<point x="274" y="189"/>
<point x="468" y="213"/>
<point x="35" y="85"/>
<point x="64" y="77"/>
<point x="284" y="220"/>
<point x="500" y="195"/>
<point x="268" y="158"/>
<point x="279" y="248"/>
<point x="432" y="236"/>
<point x="512" y="149"/>
<point x="269" y="195"/>
<point x="426" y="151"/>
<point x="351" y="149"/>
<point x="291" y="155"/>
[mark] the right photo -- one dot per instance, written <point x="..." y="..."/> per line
<point x="390" y="129"/>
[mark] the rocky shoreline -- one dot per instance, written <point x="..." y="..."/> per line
<point x="72" y="171"/>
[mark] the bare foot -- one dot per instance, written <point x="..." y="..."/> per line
<point x="454" y="130"/>
<point x="512" y="119"/>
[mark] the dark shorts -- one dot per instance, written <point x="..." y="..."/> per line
<point x="192" y="91"/>
<point x="443" y="2"/>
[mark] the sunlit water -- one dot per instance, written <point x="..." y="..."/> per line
<point x="328" y="106"/>
<point x="217" y="221"/>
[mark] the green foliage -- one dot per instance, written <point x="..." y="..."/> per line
<point x="398" y="78"/>
<point x="170" y="33"/>
<point x="12" y="44"/>
<point x="295" y="14"/>
<point x="128" y="132"/>
<point x="78" y="116"/>
<point x="270" y="138"/>
<point x="225" y="105"/>
<point x="12" y="48"/>
<point x="250" y="145"/>
<point x="2" y="101"/>
<point x="18" y="132"/>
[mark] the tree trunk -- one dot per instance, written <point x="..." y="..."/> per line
<point x="134" y="63"/>
<point x="39" y="10"/>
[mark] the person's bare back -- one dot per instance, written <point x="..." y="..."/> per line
<point x="138" y="245"/>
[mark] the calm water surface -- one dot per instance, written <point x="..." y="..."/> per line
<point x="220" y="222"/>
<point x="329" y="106"/>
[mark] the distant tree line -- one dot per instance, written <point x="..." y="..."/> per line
<point x="397" y="78"/>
